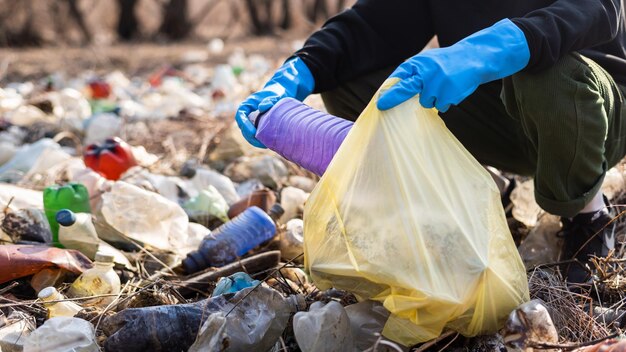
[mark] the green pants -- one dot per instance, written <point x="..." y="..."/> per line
<point x="565" y="126"/>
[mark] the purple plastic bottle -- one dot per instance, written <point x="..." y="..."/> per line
<point x="301" y="134"/>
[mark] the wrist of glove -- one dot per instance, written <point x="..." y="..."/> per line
<point x="446" y="76"/>
<point x="292" y="80"/>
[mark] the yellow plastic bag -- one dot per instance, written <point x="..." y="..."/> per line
<point x="406" y="216"/>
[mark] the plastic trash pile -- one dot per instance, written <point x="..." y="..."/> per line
<point x="111" y="239"/>
<point x="114" y="238"/>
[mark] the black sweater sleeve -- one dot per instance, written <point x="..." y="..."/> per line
<point x="371" y="35"/>
<point x="567" y="26"/>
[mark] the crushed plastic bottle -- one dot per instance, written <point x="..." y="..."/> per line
<point x="77" y="231"/>
<point x="165" y="226"/>
<point x="269" y="169"/>
<point x="208" y="203"/>
<point x="292" y="200"/>
<point x="292" y="239"/>
<point x="323" y="328"/>
<point x="203" y="178"/>
<point x="63" y="334"/>
<point x="100" y="280"/>
<point x="255" y="319"/>
<point x="231" y="240"/>
<point x="72" y="196"/>
<point x="367" y="320"/>
<point x="14" y="330"/>
<point x="24" y="159"/>
<point x="111" y="159"/>
<point x="57" y="309"/>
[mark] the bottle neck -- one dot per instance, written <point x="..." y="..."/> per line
<point x="103" y="265"/>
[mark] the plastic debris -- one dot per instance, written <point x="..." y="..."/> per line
<point x="270" y="170"/>
<point x="14" y="330"/>
<point x="24" y="159"/>
<point x="26" y="260"/>
<point x="323" y="328"/>
<point x="292" y="200"/>
<point x="231" y="240"/>
<point x="97" y="281"/>
<point x="255" y="322"/>
<point x="27" y="225"/>
<point x="234" y="283"/>
<point x="62" y="334"/>
<point x="163" y="227"/>
<point x="527" y="324"/>
<point x="111" y="158"/>
<point x="208" y="204"/>
<point x="57" y="309"/>
<point x="263" y="199"/>
<point x="292" y="239"/>
<point x="76" y="231"/>
<point x="72" y="196"/>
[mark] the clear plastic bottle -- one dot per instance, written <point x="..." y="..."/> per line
<point x="57" y="309"/>
<point x="99" y="280"/>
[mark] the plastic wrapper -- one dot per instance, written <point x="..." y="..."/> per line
<point x="404" y="215"/>
<point x="24" y="260"/>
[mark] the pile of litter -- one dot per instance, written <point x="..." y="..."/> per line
<point x="137" y="218"/>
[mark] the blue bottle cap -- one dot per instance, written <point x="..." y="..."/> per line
<point x="66" y="217"/>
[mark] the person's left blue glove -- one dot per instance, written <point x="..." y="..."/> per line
<point x="292" y="80"/>
<point x="444" y="77"/>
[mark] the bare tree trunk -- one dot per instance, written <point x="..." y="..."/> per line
<point x="319" y="9"/>
<point x="341" y="4"/>
<point x="80" y="20"/>
<point x="127" y="23"/>
<point x="175" y="24"/>
<point x="286" y="22"/>
<point x="260" y="25"/>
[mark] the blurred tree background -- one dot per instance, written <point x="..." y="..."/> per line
<point x="83" y="22"/>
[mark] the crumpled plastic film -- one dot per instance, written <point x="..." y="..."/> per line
<point x="406" y="216"/>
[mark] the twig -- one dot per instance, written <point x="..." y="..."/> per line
<point x="37" y="301"/>
<point x="13" y="285"/>
<point x="431" y="343"/>
<point x="569" y="346"/>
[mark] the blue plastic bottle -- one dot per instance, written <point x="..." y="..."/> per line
<point x="231" y="240"/>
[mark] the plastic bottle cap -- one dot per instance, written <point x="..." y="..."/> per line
<point x="276" y="211"/>
<point x="66" y="217"/>
<point x="104" y="258"/>
<point x="48" y="292"/>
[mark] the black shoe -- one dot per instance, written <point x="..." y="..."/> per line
<point x="585" y="235"/>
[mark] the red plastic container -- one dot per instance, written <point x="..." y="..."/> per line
<point x="99" y="89"/>
<point x="110" y="159"/>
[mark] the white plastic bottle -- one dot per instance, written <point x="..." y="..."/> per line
<point x="57" y="309"/>
<point x="76" y="231"/>
<point x="99" y="280"/>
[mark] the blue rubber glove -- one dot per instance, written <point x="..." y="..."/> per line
<point x="292" y="80"/>
<point x="444" y="77"/>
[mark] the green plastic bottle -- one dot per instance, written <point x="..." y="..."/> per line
<point x="72" y="196"/>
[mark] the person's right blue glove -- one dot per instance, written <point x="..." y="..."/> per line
<point x="292" y="80"/>
<point x="445" y="76"/>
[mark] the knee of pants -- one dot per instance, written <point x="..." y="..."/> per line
<point x="540" y="96"/>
